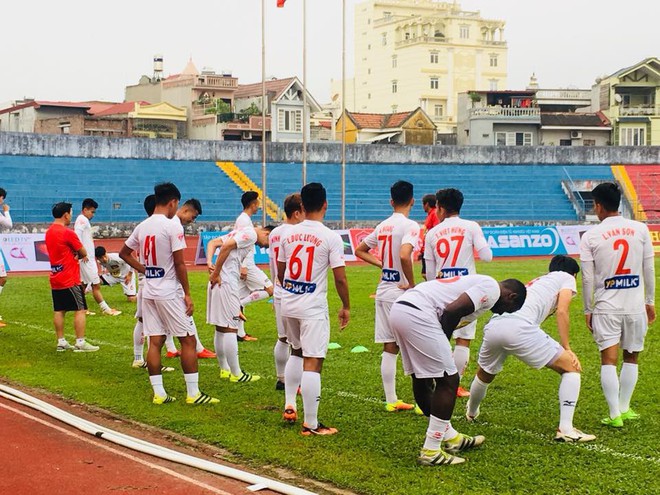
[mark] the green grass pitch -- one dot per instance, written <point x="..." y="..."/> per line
<point x="375" y="451"/>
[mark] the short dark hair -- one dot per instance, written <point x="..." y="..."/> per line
<point x="195" y="204"/>
<point x="99" y="252"/>
<point x="313" y="196"/>
<point x="248" y="197"/>
<point x="166" y="192"/>
<point x="60" y="209"/>
<point x="89" y="203"/>
<point x="150" y="204"/>
<point x="517" y="287"/>
<point x="562" y="263"/>
<point x="450" y="199"/>
<point x="429" y="199"/>
<point x="3" y="193"/>
<point x="269" y="228"/>
<point x="401" y="192"/>
<point x="608" y="195"/>
<point x="292" y="204"/>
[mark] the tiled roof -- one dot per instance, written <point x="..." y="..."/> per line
<point x="276" y="86"/>
<point x="117" y="109"/>
<point x="573" y="120"/>
<point x="379" y="120"/>
<point x="60" y="104"/>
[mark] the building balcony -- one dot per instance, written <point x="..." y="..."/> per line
<point x="216" y="82"/>
<point x="639" y="110"/>
<point x="494" y="43"/>
<point x="430" y="40"/>
<point x="506" y="112"/>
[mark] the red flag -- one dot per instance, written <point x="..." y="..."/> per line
<point x="280" y="3"/>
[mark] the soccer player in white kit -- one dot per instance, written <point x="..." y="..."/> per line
<point x="395" y="239"/>
<point x="254" y="285"/>
<point x="89" y="270"/>
<point x="449" y="252"/>
<point x="294" y="215"/>
<point x="160" y="246"/>
<point x="117" y="271"/>
<point x="5" y="223"/>
<point x="423" y="319"/>
<point x="618" y="287"/>
<point x="223" y="305"/>
<point x="306" y="253"/>
<point x="519" y="334"/>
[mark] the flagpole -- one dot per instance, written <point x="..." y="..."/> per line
<point x="343" y="113"/>
<point x="263" y="111"/>
<point x="305" y="112"/>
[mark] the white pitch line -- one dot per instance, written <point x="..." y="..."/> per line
<point x="133" y="458"/>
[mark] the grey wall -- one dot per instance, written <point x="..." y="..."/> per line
<point x="99" y="147"/>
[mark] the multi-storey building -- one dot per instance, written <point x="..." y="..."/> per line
<point x="422" y="53"/>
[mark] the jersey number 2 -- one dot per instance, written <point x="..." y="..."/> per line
<point x="623" y="244"/>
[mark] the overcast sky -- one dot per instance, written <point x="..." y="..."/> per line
<point x="84" y="50"/>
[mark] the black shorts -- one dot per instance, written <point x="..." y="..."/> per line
<point x="71" y="299"/>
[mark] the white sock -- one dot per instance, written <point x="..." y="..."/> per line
<point x="255" y="296"/>
<point x="169" y="344"/>
<point x="435" y="432"/>
<point x="157" y="385"/>
<point x="230" y="346"/>
<point x="478" y="391"/>
<point x="199" y="347"/>
<point x="192" y="384"/>
<point x="292" y="377"/>
<point x="62" y="341"/>
<point x="219" y="351"/>
<point x="628" y="380"/>
<point x="138" y="342"/>
<point x="388" y="375"/>
<point x="241" y="329"/>
<point x="80" y="342"/>
<point x="461" y="358"/>
<point x="1" y="288"/>
<point x="569" y="391"/>
<point x="104" y="306"/>
<point x="281" y="354"/>
<point x="609" y="381"/>
<point x="311" y="395"/>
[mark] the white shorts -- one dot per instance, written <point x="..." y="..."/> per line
<point x="628" y="331"/>
<point x="222" y="306"/>
<point x="138" y="306"/>
<point x="312" y="336"/>
<point x="425" y="350"/>
<point x="468" y="332"/>
<point x="256" y="279"/>
<point x="129" y="288"/>
<point x="277" y="307"/>
<point x="89" y="272"/>
<point x="516" y="337"/>
<point x="166" y="317"/>
<point x="384" y="332"/>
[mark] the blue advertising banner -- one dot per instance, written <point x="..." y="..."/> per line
<point x="260" y="255"/>
<point x="524" y="241"/>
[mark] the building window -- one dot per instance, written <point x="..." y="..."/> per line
<point x="65" y="128"/>
<point x="368" y="96"/>
<point x="565" y="142"/>
<point x="289" y="120"/>
<point x="631" y="136"/>
<point x="394" y="61"/>
<point x="395" y="86"/>
<point x="514" y="139"/>
<point x="439" y="110"/>
<point x="589" y="142"/>
<point x="464" y="31"/>
<point x="406" y="35"/>
<point x="369" y="46"/>
<point x="368" y="21"/>
<point x="387" y="15"/>
<point x="434" y="57"/>
<point x="493" y="60"/>
<point x="434" y="83"/>
<point x="369" y="71"/>
<point x="493" y="84"/>
<point x="394" y="108"/>
<point x="383" y="39"/>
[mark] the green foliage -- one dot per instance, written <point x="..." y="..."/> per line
<point x="253" y="109"/>
<point x="375" y="451"/>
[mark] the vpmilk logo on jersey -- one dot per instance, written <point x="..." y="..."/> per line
<point x="296" y="287"/>
<point x="622" y="282"/>
<point x="390" y="275"/>
<point x="154" y="272"/>
<point x="453" y="272"/>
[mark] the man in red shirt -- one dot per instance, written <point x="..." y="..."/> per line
<point x="429" y="205"/>
<point x="64" y="251"/>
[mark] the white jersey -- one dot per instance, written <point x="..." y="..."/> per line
<point x="155" y="240"/>
<point x="274" y="241"/>
<point x="243" y="221"/>
<point x="309" y="249"/>
<point x="5" y="219"/>
<point x="116" y="266"/>
<point x="618" y="248"/>
<point x="245" y="239"/>
<point x="83" y="230"/>
<point x="542" y="295"/>
<point x="388" y="237"/>
<point x="451" y="244"/>
<point x="435" y="295"/>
